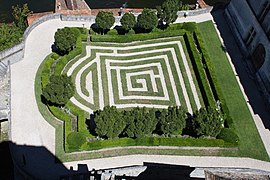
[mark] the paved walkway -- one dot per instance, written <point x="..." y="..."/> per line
<point x="29" y="127"/>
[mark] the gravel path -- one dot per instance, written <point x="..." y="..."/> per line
<point x="29" y="128"/>
<point x="119" y="82"/>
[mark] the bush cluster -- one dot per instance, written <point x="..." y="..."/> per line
<point x="59" y="90"/>
<point x="65" y="40"/>
<point x="141" y="122"/>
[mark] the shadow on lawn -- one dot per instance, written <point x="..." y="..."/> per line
<point x="250" y="87"/>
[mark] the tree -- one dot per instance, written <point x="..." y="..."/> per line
<point x="168" y="11"/>
<point x="59" y="90"/>
<point x="147" y="20"/>
<point x="109" y="122"/>
<point x="20" y="15"/>
<point x="105" y="20"/>
<point x="207" y="122"/>
<point x="10" y="35"/>
<point x="140" y="122"/>
<point x="128" y="21"/>
<point x="173" y="120"/>
<point x="65" y="40"/>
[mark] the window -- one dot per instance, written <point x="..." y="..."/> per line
<point x="258" y="56"/>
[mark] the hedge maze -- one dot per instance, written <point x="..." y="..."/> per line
<point x="151" y="74"/>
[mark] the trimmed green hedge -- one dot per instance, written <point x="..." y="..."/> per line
<point x="157" y="141"/>
<point x="201" y="77"/>
<point x="136" y="37"/>
<point x="75" y="140"/>
<point x="47" y="68"/>
<point x="59" y="114"/>
<point x="81" y="118"/>
<point x="211" y="74"/>
<point x="228" y="135"/>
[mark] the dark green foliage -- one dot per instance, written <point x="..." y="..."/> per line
<point x="158" y="141"/>
<point x="228" y="135"/>
<point x="168" y="11"/>
<point x="75" y="140"/>
<point x="196" y="60"/>
<point x="72" y="54"/>
<point x="20" y="16"/>
<point x="137" y="37"/>
<point x="10" y="35"/>
<point x="128" y="21"/>
<point x="173" y="120"/>
<point x="104" y="20"/>
<point x="140" y="122"/>
<point x="147" y="20"/>
<point x="207" y="122"/>
<point x="212" y="77"/>
<point x="189" y="26"/>
<point x="65" y="40"/>
<point x="109" y="122"/>
<point x="59" y="90"/>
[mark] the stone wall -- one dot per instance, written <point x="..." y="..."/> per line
<point x="16" y="53"/>
<point x="195" y="12"/>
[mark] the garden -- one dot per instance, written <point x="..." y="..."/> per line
<point x="146" y="83"/>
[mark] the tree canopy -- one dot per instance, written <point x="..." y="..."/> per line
<point x="147" y="19"/>
<point x="128" y="21"/>
<point x="168" y="11"/>
<point x="207" y="122"/>
<point x="109" y="122"/>
<point x="65" y="40"/>
<point x="173" y="120"/>
<point x="10" y="35"/>
<point x="105" y="20"/>
<point x="59" y="90"/>
<point x="140" y="122"/>
<point x="20" y="16"/>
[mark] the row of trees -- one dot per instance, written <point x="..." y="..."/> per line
<point x="139" y="122"/>
<point x="147" y="20"/>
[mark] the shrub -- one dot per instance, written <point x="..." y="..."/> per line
<point x="140" y="122"/>
<point x="173" y="120"/>
<point x="147" y="20"/>
<point x="109" y="122"/>
<point x="128" y="21"/>
<point x="65" y="40"/>
<point x="168" y="11"/>
<point x="228" y="135"/>
<point x="207" y="122"/>
<point x="75" y="140"/>
<point x="104" y="20"/>
<point x="59" y="90"/>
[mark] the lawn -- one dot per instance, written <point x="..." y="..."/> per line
<point x="251" y="144"/>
